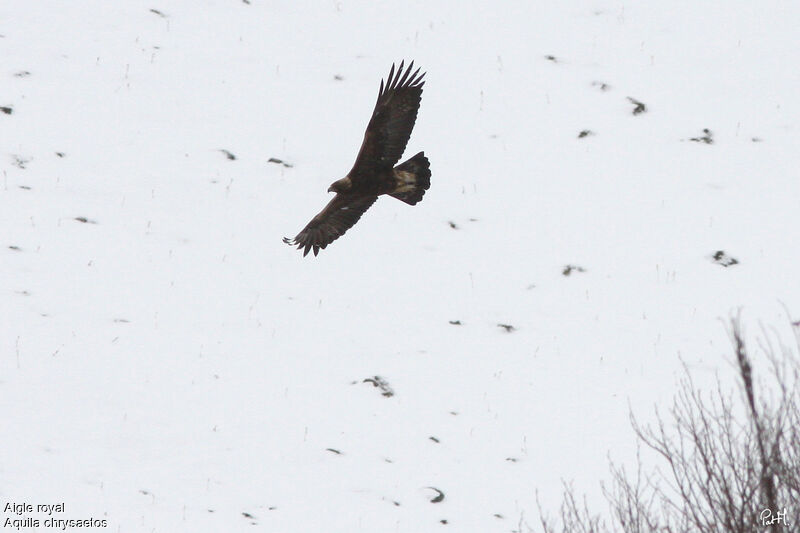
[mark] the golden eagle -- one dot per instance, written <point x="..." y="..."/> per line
<point x="374" y="173"/>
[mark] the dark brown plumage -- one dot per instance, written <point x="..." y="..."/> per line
<point x="374" y="173"/>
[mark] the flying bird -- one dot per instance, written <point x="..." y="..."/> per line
<point x="374" y="173"/>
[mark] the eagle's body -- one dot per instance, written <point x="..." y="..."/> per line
<point x="374" y="173"/>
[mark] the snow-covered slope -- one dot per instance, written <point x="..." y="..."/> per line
<point x="167" y="364"/>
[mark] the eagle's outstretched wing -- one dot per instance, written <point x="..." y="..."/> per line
<point x="391" y="123"/>
<point x="332" y="222"/>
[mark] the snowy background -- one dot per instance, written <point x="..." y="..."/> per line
<point x="168" y="364"/>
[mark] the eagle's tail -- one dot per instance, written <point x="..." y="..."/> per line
<point x="413" y="178"/>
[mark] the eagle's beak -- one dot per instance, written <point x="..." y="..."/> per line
<point x="330" y="189"/>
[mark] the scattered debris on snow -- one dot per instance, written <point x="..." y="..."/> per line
<point x="723" y="259"/>
<point x="707" y="137"/>
<point x="382" y="384"/>
<point x="279" y="162"/>
<point x="639" y="107"/>
<point x="569" y="269"/>
<point x="439" y="495"/>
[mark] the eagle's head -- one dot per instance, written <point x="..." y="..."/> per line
<point x="341" y="185"/>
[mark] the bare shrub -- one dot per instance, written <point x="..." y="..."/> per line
<point x="724" y="462"/>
